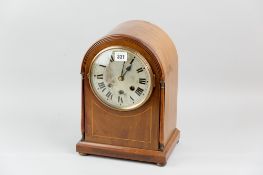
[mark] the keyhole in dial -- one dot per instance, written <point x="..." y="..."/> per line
<point x="132" y="88"/>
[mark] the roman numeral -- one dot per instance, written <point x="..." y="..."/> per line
<point x="102" y="65"/>
<point x="139" y="70"/>
<point x="131" y="98"/>
<point x="111" y="58"/>
<point x="100" y="76"/>
<point x="109" y="95"/>
<point x="120" y="99"/>
<point x="139" y="91"/>
<point x="101" y="85"/>
<point x="131" y="61"/>
<point x="142" y="80"/>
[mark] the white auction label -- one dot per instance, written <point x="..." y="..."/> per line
<point x="120" y="56"/>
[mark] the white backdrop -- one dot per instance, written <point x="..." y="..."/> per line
<point x="220" y="112"/>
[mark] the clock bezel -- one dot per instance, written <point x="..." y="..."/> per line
<point x="147" y="65"/>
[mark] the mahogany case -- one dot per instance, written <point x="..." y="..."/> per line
<point x="149" y="132"/>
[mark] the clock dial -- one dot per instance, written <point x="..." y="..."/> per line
<point x="121" y="78"/>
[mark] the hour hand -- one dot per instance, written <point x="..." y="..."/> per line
<point x="127" y="69"/>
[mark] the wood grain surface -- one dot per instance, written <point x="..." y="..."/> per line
<point x="149" y="127"/>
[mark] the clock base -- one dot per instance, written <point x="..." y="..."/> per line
<point x="152" y="156"/>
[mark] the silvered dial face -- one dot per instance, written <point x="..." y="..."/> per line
<point x="121" y="78"/>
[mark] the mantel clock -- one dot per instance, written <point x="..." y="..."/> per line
<point x="129" y="95"/>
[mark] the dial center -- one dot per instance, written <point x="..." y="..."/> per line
<point x="120" y="78"/>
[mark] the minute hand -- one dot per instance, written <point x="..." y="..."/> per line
<point x="122" y="68"/>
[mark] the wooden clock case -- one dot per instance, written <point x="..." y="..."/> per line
<point x="149" y="132"/>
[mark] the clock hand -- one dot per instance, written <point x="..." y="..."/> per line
<point x="122" y="68"/>
<point x="121" y="78"/>
<point x="127" y="69"/>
